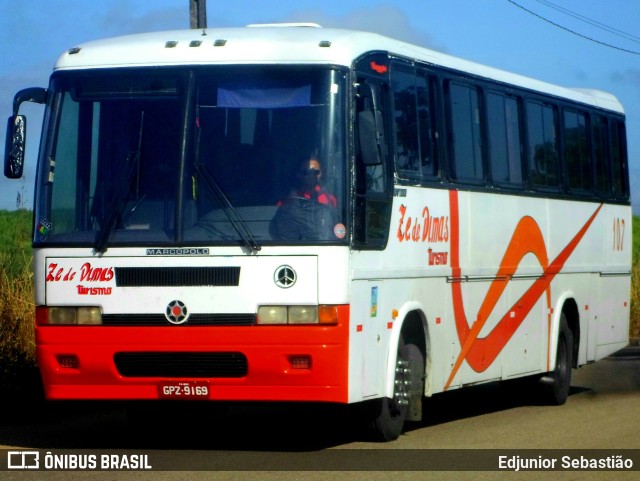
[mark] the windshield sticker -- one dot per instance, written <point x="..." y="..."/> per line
<point x="340" y="231"/>
<point x="43" y="229"/>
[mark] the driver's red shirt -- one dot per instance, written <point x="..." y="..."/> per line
<point x="321" y="195"/>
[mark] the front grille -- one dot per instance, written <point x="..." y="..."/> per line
<point x="194" y="320"/>
<point x="181" y="364"/>
<point x="177" y="276"/>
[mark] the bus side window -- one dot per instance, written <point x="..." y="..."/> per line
<point x="372" y="145"/>
<point x="576" y="151"/>
<point x="599" y="135"/>
<point x="620" y="183"/>
<point x="503" y="133"/>
<point x="466" y="138"/>
<point x="543" y="158"/>
<point x="373" y="186"/>
<point x="414" y="150"/>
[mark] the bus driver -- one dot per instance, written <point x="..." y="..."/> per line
<point x="309" y="212"/>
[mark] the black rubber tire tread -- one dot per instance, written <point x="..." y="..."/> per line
<point x="389" y="417"/>
<point x="558" y="392"/>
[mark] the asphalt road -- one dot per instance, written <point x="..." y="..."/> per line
<point x="281" y="441"/>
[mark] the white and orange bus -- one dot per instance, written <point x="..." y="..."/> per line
<point x="463" y="224"/>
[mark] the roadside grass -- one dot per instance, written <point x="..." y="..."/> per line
<point x="634" y="328"/>
<point x="17" y="311"/>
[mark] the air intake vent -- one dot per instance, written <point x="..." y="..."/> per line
<point x="177" y="276"/>
<point x="181" y="364"/>
<point x="195" y="320"/>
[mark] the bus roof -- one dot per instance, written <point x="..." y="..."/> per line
<point x="288" y="44"/>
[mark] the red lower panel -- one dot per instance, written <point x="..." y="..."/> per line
<point x="283" y="363"/>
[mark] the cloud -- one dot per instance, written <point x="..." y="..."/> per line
<point x="627" y="77"/>
<point x="120" y="20"/>
<point x="382" y="19"/>
<point x="580" y="75"/>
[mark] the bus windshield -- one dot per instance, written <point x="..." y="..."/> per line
<point x="220" y="155"/>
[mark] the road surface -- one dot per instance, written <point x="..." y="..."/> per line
<point x="274" y="442"/>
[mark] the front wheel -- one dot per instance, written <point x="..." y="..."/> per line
<point x="556" y="390"/>
<point x="389" y="415"/>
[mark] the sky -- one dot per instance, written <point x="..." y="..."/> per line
<point x="574" y="43"/>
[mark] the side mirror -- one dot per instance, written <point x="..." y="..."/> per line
<point x="15" y="143"/>
<point x="15" y="146"/>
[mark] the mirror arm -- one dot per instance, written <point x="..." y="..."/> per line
<point x="33" y="94"/>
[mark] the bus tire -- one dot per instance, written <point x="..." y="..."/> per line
<point x="556" y="389"/>
<point x="390" y="414"/>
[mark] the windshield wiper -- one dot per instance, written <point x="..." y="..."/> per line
<point x="230" y="211"/>
<point x="118" y="202"/>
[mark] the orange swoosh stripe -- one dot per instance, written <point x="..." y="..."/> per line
<point x="526" y="239"/>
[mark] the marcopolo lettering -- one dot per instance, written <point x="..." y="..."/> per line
<point x="178" y="252"/>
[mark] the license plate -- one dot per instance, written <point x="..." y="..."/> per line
<point x="186" y="390"/>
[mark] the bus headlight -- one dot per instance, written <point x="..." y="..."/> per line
<point x="89" y="316"/>
<point x="272" y="315"/>
<point x="59" y="316"/>
<point x="303" y="315"/>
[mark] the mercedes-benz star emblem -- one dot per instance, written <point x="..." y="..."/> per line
<point x="285" y="277"/>
<point x="176" y="312"/>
